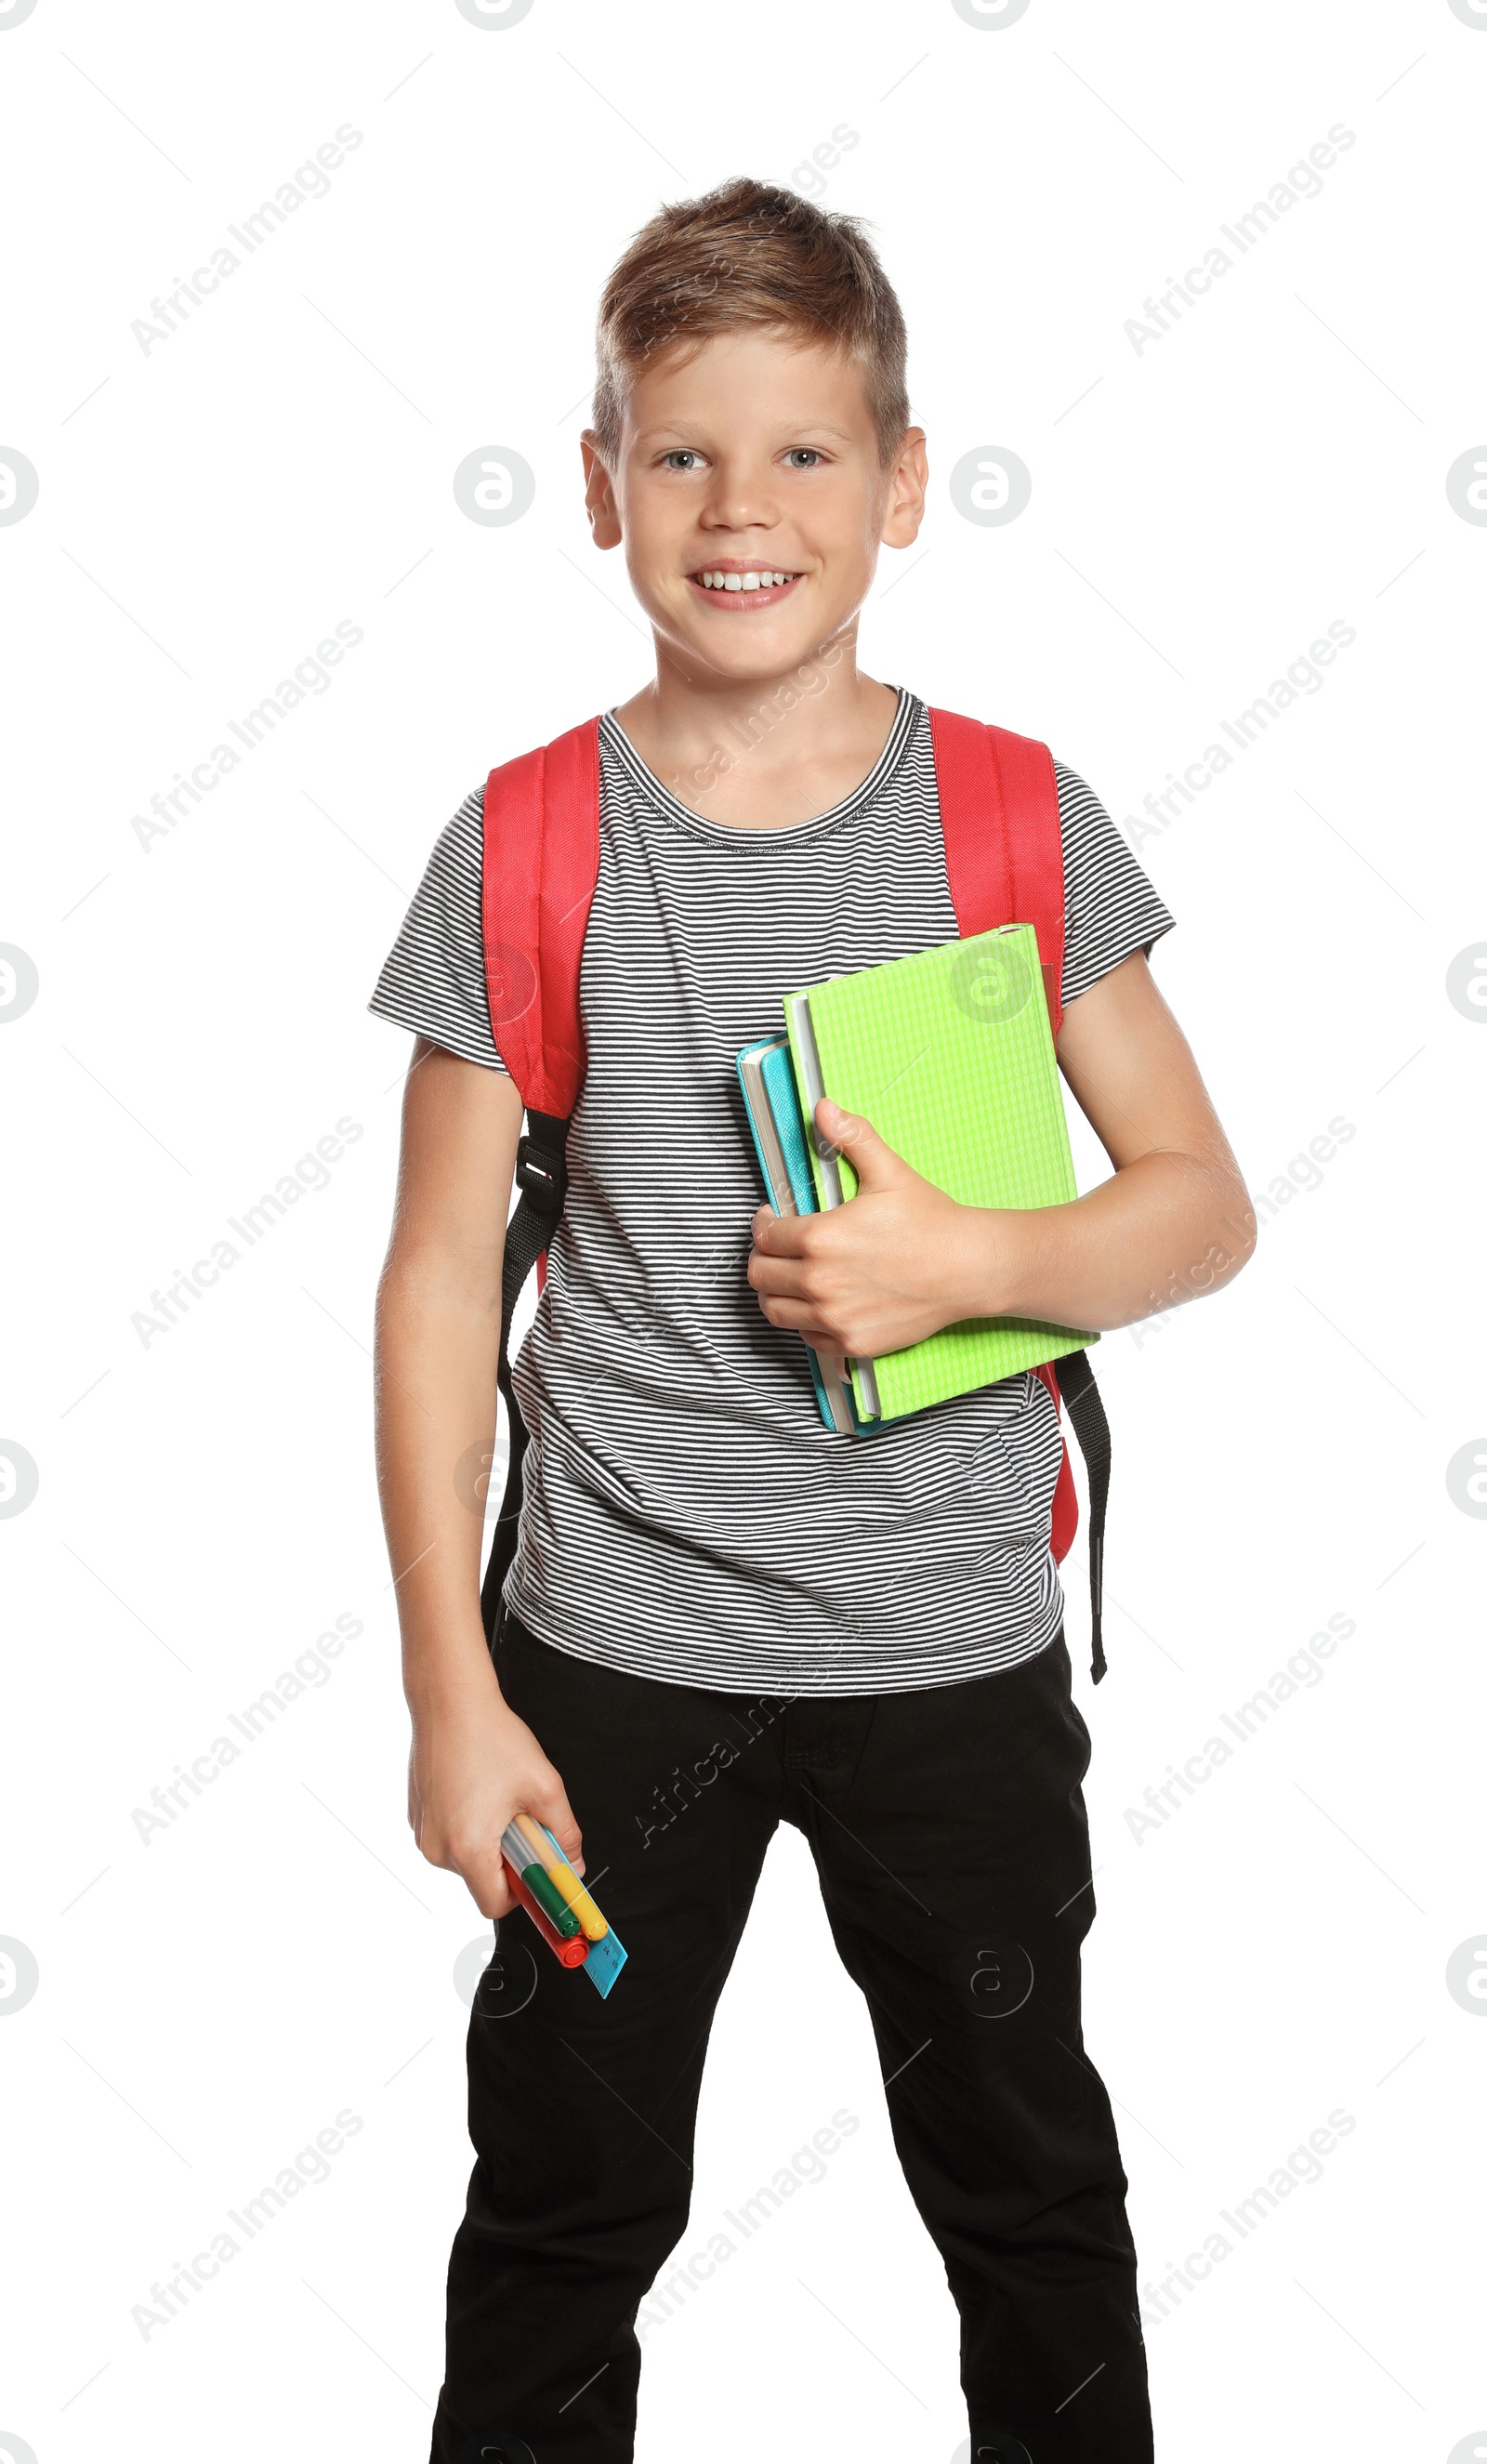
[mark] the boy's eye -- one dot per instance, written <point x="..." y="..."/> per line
<point x="803" y="457"/>
<point x="684" y="457"/>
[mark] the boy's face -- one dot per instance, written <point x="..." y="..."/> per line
<point x="753" y="457"/>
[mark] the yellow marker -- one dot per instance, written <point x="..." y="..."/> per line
<point x="564" y="1878"/>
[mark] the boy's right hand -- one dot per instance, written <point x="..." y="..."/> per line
<point x="473" y="1765"/>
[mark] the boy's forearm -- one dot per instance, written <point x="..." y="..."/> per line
<point x="1164" y="1229"/>
<point x="436" y="1410"/>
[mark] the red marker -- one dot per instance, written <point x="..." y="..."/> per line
<point x="571" y="1953"/>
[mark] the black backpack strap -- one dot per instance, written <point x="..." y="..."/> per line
<point x="542" y="1179"/>
<point x="1082" y="1395"/>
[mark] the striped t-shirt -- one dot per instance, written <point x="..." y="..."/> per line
<point x="687" y="1515"/>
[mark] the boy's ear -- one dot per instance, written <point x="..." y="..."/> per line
<point x="599" y="493"/>
<point x="907" y="482"/>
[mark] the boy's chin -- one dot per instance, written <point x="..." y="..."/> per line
<point x="757" y="649"/>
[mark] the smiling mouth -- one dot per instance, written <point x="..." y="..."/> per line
<point x="738" y="586"/>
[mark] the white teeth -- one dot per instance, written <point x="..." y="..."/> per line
<point x="744" y="581"/>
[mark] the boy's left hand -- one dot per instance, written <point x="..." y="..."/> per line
<point x="893" y="1265"/>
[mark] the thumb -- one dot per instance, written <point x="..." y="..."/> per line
<point x="551" y="1807"/>
<point x="871" y="1157"/>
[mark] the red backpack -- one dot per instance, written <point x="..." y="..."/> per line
<point x="1004" y="859"/>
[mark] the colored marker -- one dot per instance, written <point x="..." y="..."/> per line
<point x="561" y="1873"/>
<point x="539" y="1882"/>
<point x="571" y="1953"/>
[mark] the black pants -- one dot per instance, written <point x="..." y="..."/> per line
<point x="949" y="1832"/>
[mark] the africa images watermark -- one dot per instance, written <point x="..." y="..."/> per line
<point x="1304" y="675"/>
<point x="1302" y="181"/>
<point x="312" y="2165"/>
<point x="1303" y="1669"/>
<point x="671" y="1797"/>
<point x="312" y="1669"/>
<point x="312" y="1173"/>
<point x="809" y="177"/>
<point x="311" y="180"/>
<point x="311" y="676"/>
<point x="808" y="2165"/>
<point x="1304" y="1174"/>
<point x="811" y="677"/>
<point x="1304" y="2165"/>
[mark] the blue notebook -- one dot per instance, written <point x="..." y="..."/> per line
<point x="767" y="1076"/>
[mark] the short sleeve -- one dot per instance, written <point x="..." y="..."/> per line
<point x="434" y="979"/>
<point x="1111" y="908"/>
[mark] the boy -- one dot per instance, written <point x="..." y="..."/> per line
<point x="719" y="1615"/>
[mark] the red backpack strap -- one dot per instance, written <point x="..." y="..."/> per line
<point x="540" y="868"/>
<point x="1066" y="1496"/>
<point x="1004" y="840"/>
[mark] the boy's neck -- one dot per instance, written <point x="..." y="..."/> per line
<point x="765" y="751"/>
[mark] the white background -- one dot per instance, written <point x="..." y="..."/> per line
<point x="1277" y="1947"/>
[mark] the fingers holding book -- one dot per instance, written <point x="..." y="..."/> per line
<point x="872" y="1276"/>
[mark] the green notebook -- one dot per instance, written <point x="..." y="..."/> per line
<point x="949" y="1054"/>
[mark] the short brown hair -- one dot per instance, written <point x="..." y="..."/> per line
<point x="751" y="254"/>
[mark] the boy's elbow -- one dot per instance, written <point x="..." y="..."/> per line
<point x="1229" y="1229"/>
<point x="1237" y="1233"/>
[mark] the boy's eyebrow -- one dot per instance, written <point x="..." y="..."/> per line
<point x="788" y="428"/>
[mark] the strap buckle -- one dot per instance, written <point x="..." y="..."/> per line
<point x="541" y="1175"/>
